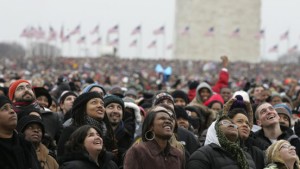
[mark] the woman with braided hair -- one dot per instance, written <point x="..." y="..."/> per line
<point x="224" y="152"/>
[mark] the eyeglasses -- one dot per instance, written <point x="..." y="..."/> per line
<point x="286" y="146"/>
<point x="228" y="123"/>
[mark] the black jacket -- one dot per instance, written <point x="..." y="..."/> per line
<point x="262" y="142"/>
<point x="188" y="139"/>
<point x="17" y="153"/>
<point x="81" y="160"/>
<point x="256" y="153"/>
<point x="213" y="156"/>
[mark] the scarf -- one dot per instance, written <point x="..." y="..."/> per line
<point x="231" y="147"/>
<point x="100" y="124"/>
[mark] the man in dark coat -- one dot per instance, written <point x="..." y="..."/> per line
<point x="15" y="151"/>
<point x="114" y="109"/>
<point x="23" y="98"/>
<point x="271" y="130"/>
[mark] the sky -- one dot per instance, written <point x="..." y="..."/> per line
<point x="277" y="16"/>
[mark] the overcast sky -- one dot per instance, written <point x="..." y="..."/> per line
<point x="277" y="17"/>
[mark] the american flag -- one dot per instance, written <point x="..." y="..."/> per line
<point x="186" y="30"/>
<point x="114" y="29"/>
<point x="152" y="44"/>
<point x="159" y="31"/>
<point x="273" y="49"/>
<point x="25" y="32"/>
<point x="133" y="43"/>
<point x="285" y="36"/>
<point x="293" y="49"/>
<point x="29" y="32"/>
<point x="61" y="35"/>
<point x="95" y="30"/>
<point x="52" y="34"/>
<point x="97" y="41"/>
<point x="136" y="30"/>
<point x="75" y="31"/>
<point x="65" y="39"/>
<point x="236" y="32"/>
<point x="114" y="42"/>
<point x="210" y="32"/>
<point x="81" y="40"/>
<point x="40" y="34"/>
<point x="260" y="34"/>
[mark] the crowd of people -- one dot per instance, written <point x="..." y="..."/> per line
<point x="112" y="113"/>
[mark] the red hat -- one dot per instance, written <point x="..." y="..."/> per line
<point x="13" y="86"/>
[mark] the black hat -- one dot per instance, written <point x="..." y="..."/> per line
<point x="26" y="111"/>
<point x="117" y="91"/>
<point x="25" y="121"/>
<point x="162" y="96"/>
<point x="113" y="99"/>
<point x="64" y="95"/>
<point x="181" y="113"/>
<point x="82" y="99"/>
<point x="4" y="100"/>
<point x="180" y="94"/>
<point x="41" y="91"/>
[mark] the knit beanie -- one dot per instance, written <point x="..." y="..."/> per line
<point x="117" y="91"/>
<point x="82" y="99"/>
<point x="239" y="103"/>
<point x="26" y="120"/>
<point x="282" y="108"/>
<point x="41" y="91"/>
<point x="13" y="86"/>
<point x="64" y="95"/>
<point x="214" y="98"/>
<point x="26" y="112"/>
<point x="180" y="94"/>
<point x="89" y="87"/>
<point x="4" y="100"/>
<point x="230" y="147"/>
<point x="181" y="113"/>
<point x="113" y="99"/>
<point x="131" y="92"/>
<point x="162" y="96"/>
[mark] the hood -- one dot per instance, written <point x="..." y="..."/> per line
<point x="201" y="86"/>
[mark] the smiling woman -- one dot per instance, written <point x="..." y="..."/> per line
<point x="224" y="151"/>
<point x="155" y="151"/>
<point x="85" y="150"/>
<point x="282" y="154"/>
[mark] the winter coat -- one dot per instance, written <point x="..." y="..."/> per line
<point x="262" y="142"/>
<point x="222" y="81"/>
<point x="188" y="139"/>
<point x="17" y="153"/>
<point x="51" y="121"/>
<point x="81" y="160"/>
<point x="148" y="155"/>
<point x="213" y="156"/>
<point x="46" y="161"/>
<point x="256" y="153"/>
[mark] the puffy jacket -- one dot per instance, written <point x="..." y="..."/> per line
<point x="213" y="156"/>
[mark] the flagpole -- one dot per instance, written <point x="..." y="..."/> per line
<point x="141" y="43"/>
<point x="118" y="49"/>
<point x="156" y="50"/>
<point x="288" y="41"/>
<point x="164" y="42"/>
